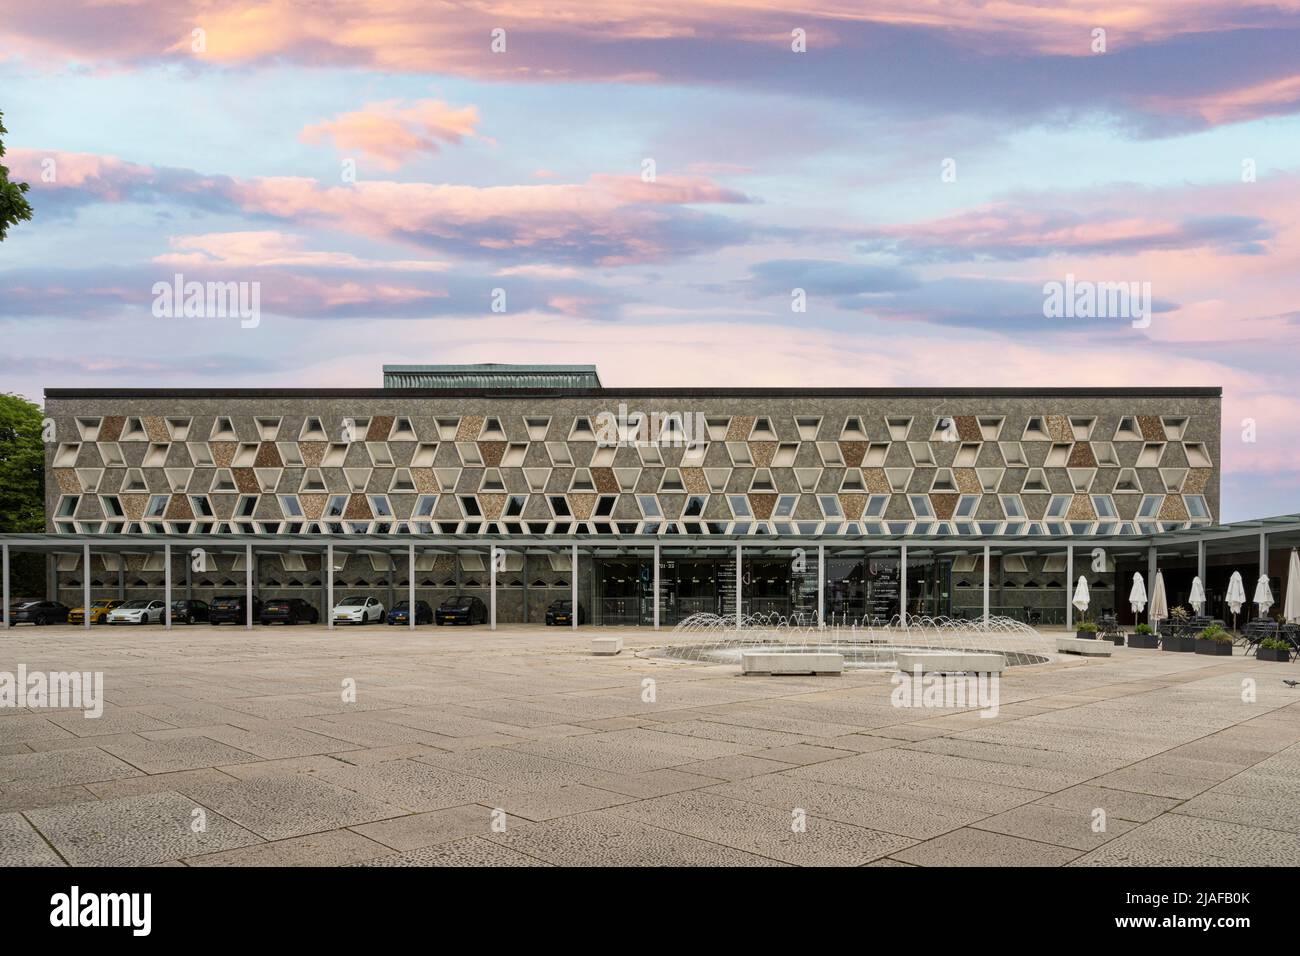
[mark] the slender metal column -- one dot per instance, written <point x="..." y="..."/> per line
<point x="656" y="586"/>
<point x="1069" y="587"/>
<point x="4" y="574"/>
<point x="738" y="585"/>
<point x="492" y="589"/>
<point x="329" y="586"/>
<point x="85" y="587"/>
<point x="1263" y="554"/>
<point x="821" y="585"/>
<point x="410" y="582"/>
<point x="1151" y="578"/>
<point x="573" y="586"/>
<point x="902" y="584"/>
<point x="248" y="587"/>
<point x="1200" y="560"/>
<point x="167" y="585"/>
<point x="986" y="583"/>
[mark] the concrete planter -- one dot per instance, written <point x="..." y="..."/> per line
<point x="1117" y="638"/>
<point x="1273" y="654"/>
<point x="1179" y="645"/>
<point x="1213" y="648"/>
<point x="1146" y="641"/>
<point x="1086" y="635"/>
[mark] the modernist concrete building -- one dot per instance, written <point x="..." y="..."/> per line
<point x="816" y="503"/>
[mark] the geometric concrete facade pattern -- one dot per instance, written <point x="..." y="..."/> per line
<point x="830" y="462"/>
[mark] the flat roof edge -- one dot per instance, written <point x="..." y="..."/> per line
<point x="696" y="393"/>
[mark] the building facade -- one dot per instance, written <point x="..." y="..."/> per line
<point x="493" y="454"/>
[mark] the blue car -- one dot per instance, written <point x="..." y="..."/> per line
<point x="400" y="614"/>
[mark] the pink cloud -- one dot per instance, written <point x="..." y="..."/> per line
<point x="272" y="249"/>
<point x="392" y="134"/>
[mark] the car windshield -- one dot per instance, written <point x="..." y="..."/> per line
<point x="456" y="602"/>
<point x="134" y="605"/>
<point x="561" y="605"/>
<point x="401" y="605"/>
<point x="102" y="603"/>
<point x="353" y="602"/>
<point x="278" y="602"/>
<point x="225" y="601"/>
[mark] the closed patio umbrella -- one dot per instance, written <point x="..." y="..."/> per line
<point x="1081" y="595"/>
<point x="1159" y="603"/>
<point x="1137" y="595"/>
<point x="1197" y="598"/>
<point x="1236" y="596"/>
<point x="1263" y="595"/>
<point x="1291" y="606"/>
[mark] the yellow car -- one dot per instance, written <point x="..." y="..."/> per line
<point x="98" y="612"/>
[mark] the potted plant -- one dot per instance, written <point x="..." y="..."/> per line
<point x="1174" y="640"/>
<point x="1144" y="637"/>
<point x="1087" y="630"/>
<point x="1274" y="649"/>
<point x="1214" y="640"/>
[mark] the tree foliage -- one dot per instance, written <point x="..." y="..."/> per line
<point x="22" y="466"/>
<point x="14" y="207"/>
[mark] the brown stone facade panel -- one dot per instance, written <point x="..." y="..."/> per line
<point x="1197" y="481"/>
<point x="66" y="479"/>
<point x="1080" y="509"/>
<point x="223" y="453"/>
<point x="1173" y="509"/>
<point x="1081" y="456"/>
<point x="313" y="452"/>
<point x="762" y="452"/>
<point x="379" y="428"/>
<point x="853" y="452"/>
<point x="358" y="508"/>
<point x="967" y="481"/>
<point x="853" y="505"/>
<point x="1058" y="427"/>
<point x="491" y="451"/>
<point x="492" y="505"/>
<point x="740" y="427"/>
<point x="155" y="426"/>
<point x="133" y="505"/>
<point x="469" y="429"/>
<point x="762" y="505"/>
<point x="178" y="509"/>
<point x="1152" y="428"/>
<point x="968" y="428"/>
<point x="110" y="429"/>
<point x="313" y="505"/>
<point x="245" y="480"/>
<point x="268" y="456"/>
<point x="875" y="481"/>
<point x="692" y="478"/>
<point x="426" y="482"/>
<point x="944" y="505"/>
<point x="607" y="483"/>
<point x="582" y="505"/>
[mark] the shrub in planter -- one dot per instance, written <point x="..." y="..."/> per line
<point x="1274" y="650"/>
<point x="1144" y="637"/>
<point x="1214" y="640"/>
<point x="1087" y="630"/>
<point x="1178" y="643"/>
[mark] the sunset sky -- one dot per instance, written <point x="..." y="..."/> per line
<point x="1173" y="157"/>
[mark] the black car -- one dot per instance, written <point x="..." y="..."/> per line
<point x="400" y="613"/>
<point x="231" y="609"/>
<point x="39" y="612"/>
<point x="464" y="609"/>
<point x="561" y="612"/>
<point x="288" y="611"/>
<point x="189" y="612"/>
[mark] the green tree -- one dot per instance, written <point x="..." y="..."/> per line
<point x="14" y="207"/>
<point x="22" y="466"/>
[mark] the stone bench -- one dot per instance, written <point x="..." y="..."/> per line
<point x="950" y="662"/>
<point x="606" y="645"/>
<point x="790" y="662"/>
<point x="1084" y="646"/>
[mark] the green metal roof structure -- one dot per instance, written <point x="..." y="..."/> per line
<point x="491" y="375"/>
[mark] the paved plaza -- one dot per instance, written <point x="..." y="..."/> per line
<point x="224" y="747"/>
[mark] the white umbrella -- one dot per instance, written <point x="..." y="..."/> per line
<point x="1137" y="597"/>
<point x="1159" y="603"/>
<point x="1197" y="598"/>
<point x="1236" y="596"/>
<point x="1291" y="607"/>
<point x="1263" y="595"/>
<point x="1081" y="595"/>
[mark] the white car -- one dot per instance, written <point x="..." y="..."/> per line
<point x="137" y="612"/>
<point x="358" y="610"/>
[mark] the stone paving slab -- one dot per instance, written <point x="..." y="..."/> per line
<point x="252" y="729"/>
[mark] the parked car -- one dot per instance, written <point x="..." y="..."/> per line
<point x="400" y="614"/>
<point x="39" y="612"/>
<point x="288" y="611"/>
<point x="189" y="612"/>
<point x="358" y="610"/>
<point x="137" y="612"/>
<point x="561" y="612"/>
<point x="98" y="612"/>
<point x="465" y="609"/>
<point x="231" y="609"/>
